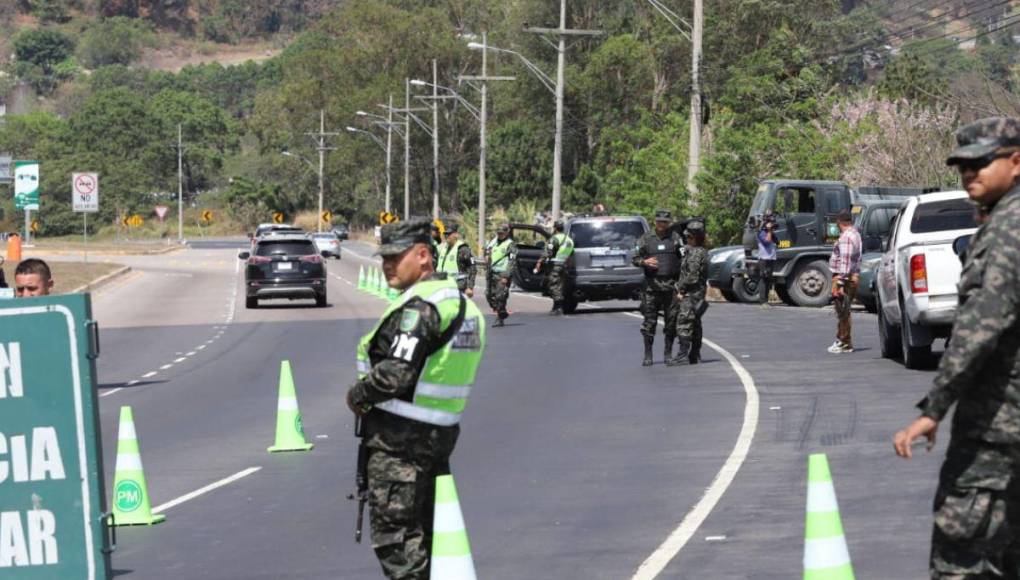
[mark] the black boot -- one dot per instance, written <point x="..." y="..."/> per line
<point x="557" y="309"/>
<point x="647" y="362"/>
<point x="668" y="352"/>
<point x="695" y="356"/>
<point x="683" y="350"/>
<point x="498" y="323"/>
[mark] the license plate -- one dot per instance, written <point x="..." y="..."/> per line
<point x="282" y="266"/>
<point x="607" y="261"/>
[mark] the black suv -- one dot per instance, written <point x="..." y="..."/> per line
<point x="600" y="268"/>
<point x="284" y="266"/>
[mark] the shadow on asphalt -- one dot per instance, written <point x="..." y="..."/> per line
<point x="127" y="386"/>
<point x="606" y="310"/>
<point x="262" y="306"/>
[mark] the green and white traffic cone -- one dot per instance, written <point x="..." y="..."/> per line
<point x="451" y="552"/>
<point x="131" y="505"/>
<point x="361" y="278"/>
<point x="380" y="285"/>
<point x="290" y="433"/>
<point x="826" y="556"/>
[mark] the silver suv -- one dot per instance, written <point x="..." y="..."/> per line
<point x="601" y="267"/>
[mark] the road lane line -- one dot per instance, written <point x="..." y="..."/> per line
<point x="182" y="359"/>
<point x="110" y="392"/>
<point x="206" y="489"/>
<point x="192" y="353"/>
<point x="165" y="367"/>
<point x="133" y="383"/>
<point x="149" y="374"/>
<point x="200" y="347"/>
<point x="661" y="557"/>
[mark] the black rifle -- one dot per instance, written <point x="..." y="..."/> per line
<point x="361" y="480"/>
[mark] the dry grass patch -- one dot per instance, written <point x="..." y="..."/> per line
<point x="68" y="275"/>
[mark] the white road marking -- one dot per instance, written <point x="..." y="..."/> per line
<point x="200" y="347"/>
<point x="110" y="392"/>
<point x="133" y="383"/>
<point x="182" y="359"/>
<point x="714" y="538"/>
<point x="206" y="489"/>
<point x="149" y="374"/>
<point x="661" y="557"/>
<point x="192" y="353"/>
<point x="165" y="367"/>
<point x="774" y="408"/>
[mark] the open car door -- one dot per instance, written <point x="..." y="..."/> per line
<point x="531" y="242"/>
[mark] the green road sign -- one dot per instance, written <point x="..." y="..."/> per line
<point x="52" y="501"/>
<point x="26" y="185"/>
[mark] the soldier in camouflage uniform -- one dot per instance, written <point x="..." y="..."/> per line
<point x="456" y="260"/>
<point x="691" y="289"/>
<point x="500" y="263"/>
<point x="977" y="522"/>
<point x="410" y="440"/>
<point x="557" y="259"/>
<point x="659" y="253"/>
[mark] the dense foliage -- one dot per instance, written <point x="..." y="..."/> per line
<point x="793" y="88"/>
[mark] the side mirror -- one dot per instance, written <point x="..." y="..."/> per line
<point x="324" y="254"/>
<point x="244" y="255"/>
<point x="961" y="244"/>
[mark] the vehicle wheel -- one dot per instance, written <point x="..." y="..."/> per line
<point x="746" y="289"/>
<point x="251" y="302"/>
<point x="729" y="296"/>
<point x="870" y="306"/>
<point x="570" y="306"/>
<point x="811" y="285"/>
<point x="784" y="295"/>
<point x="888" y="337"/>
<point x="320" y="300"/>
<point x="914" y="357"/>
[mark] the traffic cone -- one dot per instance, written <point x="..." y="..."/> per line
<point x="131" y="506"/>
<point x="361" y="278"/>
<point x="825" y="553"/>
<point x="380" y="284"/>
<point x="451" y="553"/>
<point x="290" y="434"/>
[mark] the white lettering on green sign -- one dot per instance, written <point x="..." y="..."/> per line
<point x="37" y="548"/>
<point x="45" y="462"/>
<point x="10" y="370"/>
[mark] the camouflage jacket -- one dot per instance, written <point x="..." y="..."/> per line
<point x="652" y="281"/>
<point x="466" y="263"/>
<point x="694" y="271"/>
<point x="394" y="377"/>
<point x="980" y="370"/>
<point x="511" y="257"/>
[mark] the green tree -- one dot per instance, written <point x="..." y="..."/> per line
<point x="116" y="40"/>
<point x="43" y="47"/>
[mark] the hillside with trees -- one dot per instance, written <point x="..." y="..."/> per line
<point x="810" y="89"/>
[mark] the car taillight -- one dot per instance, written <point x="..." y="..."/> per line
<point x="314" y="259"/>
<point x="259" y="260"/>
<point x="918" y="274"/>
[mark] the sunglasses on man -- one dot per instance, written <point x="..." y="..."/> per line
<point x="979" y="163"/>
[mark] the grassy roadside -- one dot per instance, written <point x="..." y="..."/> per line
<point x="68" y="276"/>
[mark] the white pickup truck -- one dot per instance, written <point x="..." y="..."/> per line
<point x="919" y="273"/>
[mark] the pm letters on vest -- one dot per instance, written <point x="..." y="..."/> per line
<point x="27" y="538"/>
<point x="405" y="346"/>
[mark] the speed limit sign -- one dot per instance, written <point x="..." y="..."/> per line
<point x="85" y="192"/>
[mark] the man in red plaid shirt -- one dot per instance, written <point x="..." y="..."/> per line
<point x="845" y="264"/>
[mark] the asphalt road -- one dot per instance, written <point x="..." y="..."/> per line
<point x="574" y="461"/>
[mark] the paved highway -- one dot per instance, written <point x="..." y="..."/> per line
<point x="574" y="461"/>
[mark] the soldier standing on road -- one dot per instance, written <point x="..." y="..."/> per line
<point x="659" y="253"/>
<point x="437" y="237"/>
<point x="766" y="257"/>
<point x="976" y="519"/>
<point x="415" y="370"/>
<point x="845" y="264"/>
<point x="500" y="262"/>
<point x="691" y="289"/>
<point x="557" y="255"/>
<point x="456" y="260"/>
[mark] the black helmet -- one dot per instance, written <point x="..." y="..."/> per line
<point x="558" y="225"/>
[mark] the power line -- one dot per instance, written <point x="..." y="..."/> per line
<point x="1005" y="23"/>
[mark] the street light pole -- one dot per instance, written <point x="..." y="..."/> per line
<point x="694" y="148"/>
<point x="435" y="140"/>
<point x="389" y="150"/>
<point x="322" y="163"/>
<point x="407" y="149"/>
<point x="180" y="187"/>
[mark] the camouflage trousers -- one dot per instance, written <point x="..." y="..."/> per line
<point x="688" y="323"/>
<point x="976" y="505"/>
<point x="402" y="501"/>
<point x="497" y="292"/>
<point x="652" y="303"/>
<point x="556" y="283"/>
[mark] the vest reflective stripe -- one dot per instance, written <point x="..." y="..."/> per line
<point x="413" y="411"/>
<point x="500" y="256"/>
<point x="446" y="378"/>
<point x="565" y="250"/>
<point x="448" y="258"/>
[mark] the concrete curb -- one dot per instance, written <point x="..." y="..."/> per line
<point x="102" y="280"/>
<point x="53" y="252"/>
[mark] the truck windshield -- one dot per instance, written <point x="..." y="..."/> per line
<point x="604" y="233"/>
<point x="943" y="216"/>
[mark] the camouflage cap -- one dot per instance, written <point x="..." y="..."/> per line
<point x="985" y="137"/>
<point x="452" y="229"/>
<point x="695" y="228"/>
<point x="397" y="238"/>
<point x="503" y="229"/>
<point x="662" y="215"/>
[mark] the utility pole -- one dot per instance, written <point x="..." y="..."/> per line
<point x="435" y="140"/>
<point x="180" y="187"/>
<point x="407" y="149"/>
<point x="389" y="149"/>
<point x="561" y="47"/>
<point x="694" y="148"/>
<point x="322" y="134"/>
<point x="482" y="138"/>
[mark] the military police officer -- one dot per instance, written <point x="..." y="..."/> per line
<point x="500" y="261"/>
<point x="456" y="260"/>
<point x="557" y="256"/>
<point x="437" y="238"/>
<point x="977" y="522"/>
<point x="692" y="286"/>
<point x="659" y="253"/>
<point x="415" y="370"/>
